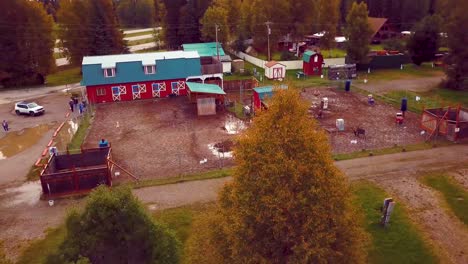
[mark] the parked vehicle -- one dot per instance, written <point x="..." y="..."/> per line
<point x="28" y="108"/>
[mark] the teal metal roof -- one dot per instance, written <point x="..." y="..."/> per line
<point x="204" y="88"/>
<point x="267" y="91"/>
<point x="129" y="67"/>
<point x="306" y="56"/>
<point x="205" y="49"/>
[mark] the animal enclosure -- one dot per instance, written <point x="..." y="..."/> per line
<point x="67" y="174"/>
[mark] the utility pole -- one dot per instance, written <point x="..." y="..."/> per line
<point x="217" y="49"/>
<point x="268" y="23"/>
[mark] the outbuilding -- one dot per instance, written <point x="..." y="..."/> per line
<point x="262" y="94"/>
<point x="312" y="63"/>
<point x="275" y="70"/>
<point x="213" y="51"/>
<point x="206" y="96"/>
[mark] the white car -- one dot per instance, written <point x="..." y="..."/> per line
<point x="28" y="108"/>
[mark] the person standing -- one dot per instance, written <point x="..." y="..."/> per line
<point x="71" y="103"/>
<point x="5" y="125"/>
<point x="81" y="107"/>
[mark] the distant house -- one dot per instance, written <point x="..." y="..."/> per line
<point x="128" y="77"/>
<point x="275" y="70"/>
<point x="209" y="51"/>
<point x="312" y="63"/>
<point x="381" y="30"/>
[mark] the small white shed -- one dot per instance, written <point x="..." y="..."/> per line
<point x="275" y="70"/>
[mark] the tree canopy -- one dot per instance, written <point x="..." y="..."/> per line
<point x="115" y="228"/>
<point x="136" y="13"/>
<point x="457" y="63"/>
<point x="358" y="33"/>
<point x="287" y="202"/>
<point x="26" y="43"/>
<point x="424" y="42"/>
<point x="88" y="28"/>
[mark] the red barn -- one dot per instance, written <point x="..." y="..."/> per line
<point x="312" y="63"/>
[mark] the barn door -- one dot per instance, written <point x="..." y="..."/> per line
<point x="137" y="89"/>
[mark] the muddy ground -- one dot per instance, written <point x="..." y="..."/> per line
<point x="162" y="137"/>
<point x="378" y="121"/>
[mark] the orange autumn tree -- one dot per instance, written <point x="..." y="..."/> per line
<point x="287" y="202"/>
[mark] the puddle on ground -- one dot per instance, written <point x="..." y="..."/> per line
<point x="234" y="125"/>
<point x="222" y="149"/>
<point x="28" y="193"/>
<point x="16" y="142"/>
<point x="66" y="135"/>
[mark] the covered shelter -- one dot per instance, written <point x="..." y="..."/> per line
<point x="70" y="174"/>
<point x="451" y="122"/>
<point x="206" y="96"/>
<point x="275" y="70"/>
<point x="262" y="94"/>
<point x="312" y="63"/>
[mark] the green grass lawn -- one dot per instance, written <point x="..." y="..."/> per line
<point x="453" y="193"/>
<point x="398" y="243"/>
<point x="376" y="47"/>
<point x="38" y="250"/>
<point x="149" y="32"/>
<point x="408" y="71"/>
<point x="438" y="97"/>
<point x="275" y="55"/>
<point x="81" y="133"/>
<point x="64" y="76"/>
<point x="140" y="41"/>
<point x="334" y="53"/>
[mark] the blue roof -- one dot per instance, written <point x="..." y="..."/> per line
<point x="267" y="91"/>
<point x="205" y="88"/>
<point x="129" y="67"/>
<point x="205" y="49"/>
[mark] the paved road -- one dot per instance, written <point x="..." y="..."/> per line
<point x="26" y="93"/>
<point x="148" y="36"/>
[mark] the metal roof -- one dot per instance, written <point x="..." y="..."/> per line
<point x="264" y="89"/>
<point x="110" y="61"/>
<point x="306" y="56"/>
<point x="204" y="88"/>
<point x="205" y="49"/>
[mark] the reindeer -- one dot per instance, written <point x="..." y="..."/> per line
<point x="359" y="131"/>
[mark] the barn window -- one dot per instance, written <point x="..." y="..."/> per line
<point x="101" y="91"/>
<point x="151" y="69"/>
<point x="316" y="58"/>
<point x="110" y="72"/>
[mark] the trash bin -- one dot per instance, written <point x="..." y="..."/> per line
<point x="348" y="85"/>
<point x="404" y="105"/>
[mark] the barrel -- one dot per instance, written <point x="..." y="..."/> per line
<point x="348" y="85"/>
<point x="404" y="104"/>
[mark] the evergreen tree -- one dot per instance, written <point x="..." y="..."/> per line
<point x="287" y="202"/>
<point x="216" y="16"/>
<point x="115" y="228"/>
<point x="457" y="62"/>
<point x="329" y="16"/>
<point x="88" y="28"/>
<point x="424" y="42"/>
<point x="358" y="33"/>
<point x="27" y="43"/>
<point x="171" y="22"/>
<point x="300" y="19"/>
<point x="136" y="13"/>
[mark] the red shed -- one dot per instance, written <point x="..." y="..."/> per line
<point x="312" y="63"/>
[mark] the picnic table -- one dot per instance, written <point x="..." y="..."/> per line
<point x="300" y="74"/>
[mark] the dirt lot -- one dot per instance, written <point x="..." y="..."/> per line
<point x="161" y="138"/>
<point x="378" y="121"/>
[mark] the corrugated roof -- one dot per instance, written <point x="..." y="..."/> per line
<point x="205" y="49"/>
<point x="376" y="23"/>
<point x="109" y="61"/>
<point x="204" y="88"/>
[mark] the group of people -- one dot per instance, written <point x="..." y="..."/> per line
<point x="75" y="104"/>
